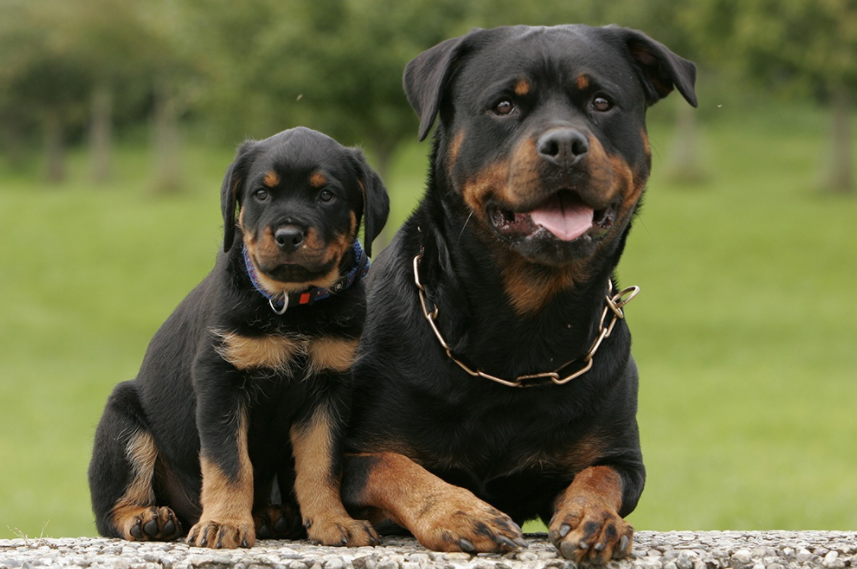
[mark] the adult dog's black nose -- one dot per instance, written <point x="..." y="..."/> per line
<point x="563" y="146"/>
<point x="289" y="237"/>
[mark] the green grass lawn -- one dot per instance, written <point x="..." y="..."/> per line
<point x="744" y="332"/>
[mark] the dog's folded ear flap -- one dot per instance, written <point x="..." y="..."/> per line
<point x="229" y="190"/>
<point x="660" y="69"/>
<point x="427" y="76"/>
<point x="376" y="202"/>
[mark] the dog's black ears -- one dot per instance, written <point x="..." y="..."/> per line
<point x="659" y="68"/>
<point x="230" y="188"/>
<point x="376" y="202"/>
<point x="427" y="76"/>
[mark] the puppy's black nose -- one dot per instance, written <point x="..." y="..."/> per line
<point x="563" y="146"/>
<point x="289" y="237"/>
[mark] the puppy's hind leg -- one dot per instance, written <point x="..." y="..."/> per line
<point x="121" y="474"/>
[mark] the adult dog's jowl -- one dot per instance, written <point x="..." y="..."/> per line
<point x="495" y="382"/>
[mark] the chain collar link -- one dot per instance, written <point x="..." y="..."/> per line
<point x="615" y="304"/>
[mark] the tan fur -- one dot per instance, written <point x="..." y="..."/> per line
<point x="139" y="495"/>
<point x="271" y="179"/>
<point x="332" y="353"/>
<point x="271" y="352"/>
<point x="582" y="82"/>
<point x="227" y="503"/>
<point x="437" y="513"/>
<point x="317" y="486"/>
<point x="522" y="87"/>
<point x="593" y="500"/>
<point x="528" y="287"/>
<point x="454" y="149"/>
<point x="312" y="252"/>
<point x="317" y="180"/>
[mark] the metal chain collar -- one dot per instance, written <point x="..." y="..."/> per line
<point x="615" y="303"/>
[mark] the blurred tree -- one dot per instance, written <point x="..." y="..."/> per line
<point x="805" y="46"/>
<point x="116" y="45"/>
<point x="44" y="81"/>
<point x="334" y="65"/>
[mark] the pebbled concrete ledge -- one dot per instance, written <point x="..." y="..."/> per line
<point x="652" y="550"/>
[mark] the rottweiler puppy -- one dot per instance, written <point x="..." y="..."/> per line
<point x="244" y="391"/>
<point x="497" y="385"/>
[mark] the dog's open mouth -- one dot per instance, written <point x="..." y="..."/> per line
<point x="564" y="215"/>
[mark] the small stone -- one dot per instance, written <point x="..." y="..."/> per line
<point x="803" y="555"/>
<point x="684" y="561"/>
<point x="742" y="556"/>
<point x="832" y="561"/>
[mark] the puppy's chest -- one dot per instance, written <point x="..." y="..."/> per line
<point x="285" y="354"/>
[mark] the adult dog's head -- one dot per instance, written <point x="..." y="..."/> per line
<point x="542" y="135"/>
<point x="300" y="197"/>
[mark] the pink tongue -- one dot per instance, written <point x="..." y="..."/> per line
<point x="566" y="218"/>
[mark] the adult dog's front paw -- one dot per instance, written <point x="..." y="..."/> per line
<point x="462" y="522"/>
<point x="587" y="530"/>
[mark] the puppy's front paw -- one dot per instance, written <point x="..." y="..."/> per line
<point x="342" y="531"/>
<point x="149" y="524"/>
<point x="222" y="534"/>
<point x="278" y="522"/>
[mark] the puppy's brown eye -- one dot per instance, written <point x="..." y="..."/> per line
<point x="504" y="107"/>
<point x="601" y="104"/>
<point x="326" y="196"/>
<point x="261" y="195"/>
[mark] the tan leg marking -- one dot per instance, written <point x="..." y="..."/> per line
<point x="135" y="514"/>
<point x="586" y="525"/>
<point x="227" y="504"/>
<point x="317" y="487"/>
<point x="441" y="516"/>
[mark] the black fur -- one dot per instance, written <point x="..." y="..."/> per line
<point x="187" y="396"/>
<point x="517" y="449"/>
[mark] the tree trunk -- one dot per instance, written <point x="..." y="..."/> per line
<point x="684" y="164"/>
<point x="842" y="174"/>
<point x="54" y="147"/>
<point x="383" y="153"/>
<point x="100" y="133"/>
<point x="168" y="176"/>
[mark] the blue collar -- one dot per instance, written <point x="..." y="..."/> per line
<point x="281" y="302"/>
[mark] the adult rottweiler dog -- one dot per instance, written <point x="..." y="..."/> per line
<point x="244" y="390"/>
<point x="495" y="382"/>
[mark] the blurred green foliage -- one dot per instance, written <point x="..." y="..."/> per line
<point x="249" y="68"/>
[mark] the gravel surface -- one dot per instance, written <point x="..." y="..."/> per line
<point x="652" y="550"/>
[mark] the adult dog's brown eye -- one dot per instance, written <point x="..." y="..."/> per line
<point x="504" y="107"/>
<point x="601" y="104"/>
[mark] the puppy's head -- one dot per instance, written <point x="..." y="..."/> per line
<point x="300" y="198"/>
<point x="542" y="131"/>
